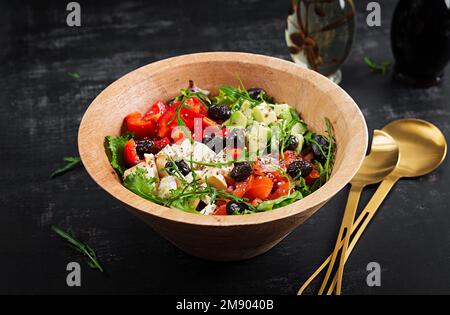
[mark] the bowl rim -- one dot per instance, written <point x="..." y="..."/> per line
<point x="318" y="198"/>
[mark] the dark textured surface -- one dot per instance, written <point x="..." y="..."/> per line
<point x="41" y="107"/>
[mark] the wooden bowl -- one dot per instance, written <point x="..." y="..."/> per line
<point x="224" y="237"/>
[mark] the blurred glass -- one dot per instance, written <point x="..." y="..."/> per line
<point x="319" y="34"/>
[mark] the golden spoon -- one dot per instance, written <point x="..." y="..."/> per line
<point x="377" y="165"/>
<point x="422" y="149"/>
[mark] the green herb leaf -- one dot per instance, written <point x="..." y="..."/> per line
<point x="71" y="163"/>
<point x="142" y="185"/>
<point x="74" y="75"/>
<point x="114" y="147"/>
<point x="279" y="202"/>
<point x="375" y="67"/>
<point x="81" y="247"/>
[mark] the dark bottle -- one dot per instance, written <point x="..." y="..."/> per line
<point x="420" y="39"/>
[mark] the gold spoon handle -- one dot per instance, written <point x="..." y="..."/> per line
<point x="346" y="225"/>
<point x="367" y="214"/>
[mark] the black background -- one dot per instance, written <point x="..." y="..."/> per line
<point x="41" y="107"/>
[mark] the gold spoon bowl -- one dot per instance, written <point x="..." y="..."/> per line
<point x="422" y="145"/>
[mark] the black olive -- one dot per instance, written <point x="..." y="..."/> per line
<point x="292" y="143"/>
<point x="182" y="166"/>
<point x="169" y="167"/>
<point x="241" y="171"/>
<point x="299" y="168"/>
<point x="143" y="146"/>
<point x="201" y="205"/>
<point x="219" y="112"/>
<point x="323" y="143"/>
<point x="255" y="93"/>
<point x="236" y="207"/>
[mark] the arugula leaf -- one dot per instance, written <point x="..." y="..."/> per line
<point x="227" y="95"/>
<point x="331" y="150"/>
<point x="279" y="202"/>
<point x="71" y="163"/>
<point x="81" y="247"/>
<point x="375" y="67"/>
<point x="74" y="75"/>
<point x="303" y="187"/>
<point x="115" y="147"/>
<point x="235" y="97"/>
<point x="185" y="203"/>
<point x="142" y="185"/>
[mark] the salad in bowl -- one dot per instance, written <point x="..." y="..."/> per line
<point x="237" y="152"/>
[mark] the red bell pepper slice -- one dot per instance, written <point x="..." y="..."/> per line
<point x="139" y="125"/>
<point x="155" y="111"/>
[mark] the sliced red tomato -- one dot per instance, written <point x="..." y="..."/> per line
<point x="155" y="111"/>
<point x="281" y="189"/>
<point x="257" y="169"/>
<point x="129" y="153"/>
<point x="221" y="210"/>
<point x="241" y="187"/>
<point x="260" y="188"/>
<point x="160" y="144"/>
<point x="139" y="125"/>
<point x="312" y="177"/>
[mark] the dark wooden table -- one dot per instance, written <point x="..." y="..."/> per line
<point x="41" y="107"/>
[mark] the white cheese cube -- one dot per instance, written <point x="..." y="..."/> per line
<point x="151" y="168"/>
<point x="209" y="209"/>
<point x="166" y="184"/>
<point x="202" y="153"/>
